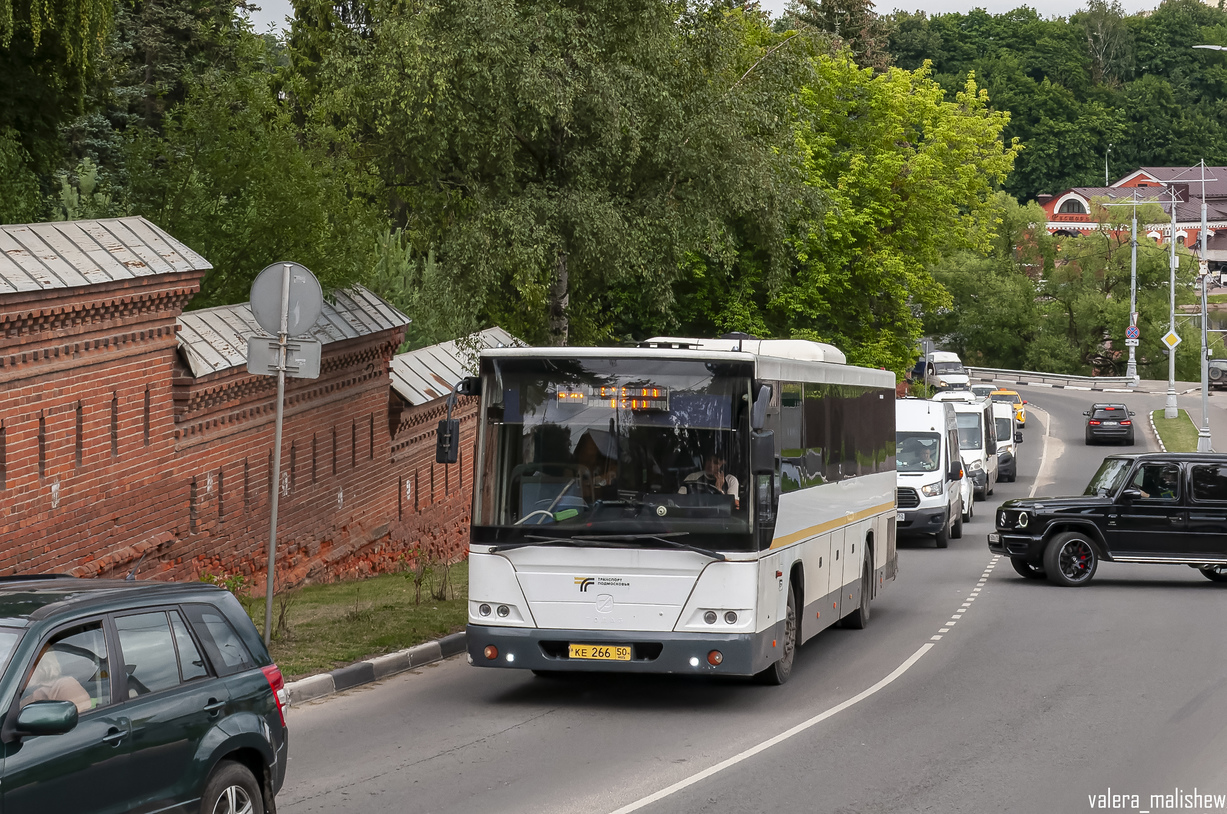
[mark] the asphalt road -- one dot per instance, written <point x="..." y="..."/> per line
<point x="1033" y="698"/>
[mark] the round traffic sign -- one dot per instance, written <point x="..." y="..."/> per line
<point x="306" y="299"/>
<point x="1131" y="332"/>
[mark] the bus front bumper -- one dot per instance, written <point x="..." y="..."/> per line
<point x="741" y="654"/>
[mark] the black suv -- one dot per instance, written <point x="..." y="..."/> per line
<point x="1109" y="422"/>
<point x="121" y="696"/>
<point x="1160" y="507"/>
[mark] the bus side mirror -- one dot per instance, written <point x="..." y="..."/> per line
<point x="447" y="445"/>
<point x="956" y="472"/>
<point x="1017" y="436"/>
<point x="762" y="452"/>
<point x="469" y="386"/>
<point x="758" y="413"/>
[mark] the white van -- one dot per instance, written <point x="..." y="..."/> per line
<point x="944" y="371"/>
<point x="928" y="470"/>
<point x="978" y="443"/>
<point x="1008" y="439"/>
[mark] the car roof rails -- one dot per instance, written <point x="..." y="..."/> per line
<point x="33" y="577"/>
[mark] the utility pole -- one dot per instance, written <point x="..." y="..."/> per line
<point x="1132" y="370"/>
<point x="1203" y="434"/>
<point x="1169" y="409"/>
<point x="1106" y="182"/>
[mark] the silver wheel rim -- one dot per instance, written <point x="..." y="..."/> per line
<point x="233" y="800"/>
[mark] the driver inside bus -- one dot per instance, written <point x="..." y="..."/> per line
<point x="711" y="478"/>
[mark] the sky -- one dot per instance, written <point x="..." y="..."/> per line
<point x="274" y="12"/>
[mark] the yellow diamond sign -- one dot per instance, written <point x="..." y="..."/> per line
<point x="1171" y="339"/>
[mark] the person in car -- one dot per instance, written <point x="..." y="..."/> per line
<point x="48" y="683"/>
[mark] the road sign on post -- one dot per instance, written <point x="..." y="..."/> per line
<point x="1132" y="332"/>
<point x="1171" y="339"/>
<point x="286" y="300"/>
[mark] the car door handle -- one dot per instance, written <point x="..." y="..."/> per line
<point x="1175" y="520"/>
<point x="214" y="705"/>
<point x="114" y="736"/>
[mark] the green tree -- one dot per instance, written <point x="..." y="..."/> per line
<point x="564" y="157"/>
<point x="910" y="177"/>
<point x="234" y="177"/>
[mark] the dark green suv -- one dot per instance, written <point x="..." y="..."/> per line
<point x="123" y="696"/>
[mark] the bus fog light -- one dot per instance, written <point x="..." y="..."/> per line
<point x="714" y="658"/>
<point x="730" y="617"/>
<point x="483" y="609"/>
<point x="710" y="617"/>
<point x="503" y="611"/>
<point x="694" y="661"/>
<point x="511" y="657"/>
<point x="491" y="652"/>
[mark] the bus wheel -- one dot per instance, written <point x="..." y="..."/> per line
<point x="956" y="533"/>
<point x="779" y="672"/>
<point x="860" y="617"/>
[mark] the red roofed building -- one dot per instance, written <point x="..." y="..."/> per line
<point x="1069" y="213"/>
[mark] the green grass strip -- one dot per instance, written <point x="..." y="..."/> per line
<point x="1179" y="434"/>
<point x="333" y="625"/>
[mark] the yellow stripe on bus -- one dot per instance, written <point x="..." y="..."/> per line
<point x="830" y="525"/>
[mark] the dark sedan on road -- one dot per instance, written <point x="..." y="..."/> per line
<point x="1159" y="507"/>
<point x="1109" y="422"/>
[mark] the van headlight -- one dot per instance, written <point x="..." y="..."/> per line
<point x="932" y="490"/>
<point x="975" y="466"/>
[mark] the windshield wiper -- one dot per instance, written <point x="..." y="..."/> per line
<point x="601" y="540"/>
<point x="541" y="539"/>
<point x="659" y="538"/>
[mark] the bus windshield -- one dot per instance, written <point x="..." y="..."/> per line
<point x="614" y="446"/>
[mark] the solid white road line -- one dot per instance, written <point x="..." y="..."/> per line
<point x="778" y="739"/>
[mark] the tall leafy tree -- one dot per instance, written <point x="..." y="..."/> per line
<point x="909" y="177"/>
<point x="562" y="157"/>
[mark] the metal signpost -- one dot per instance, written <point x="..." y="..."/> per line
<point x="1131" y="339"/>
<point x="1169" y="408"/>
<point x="286" y="300"/>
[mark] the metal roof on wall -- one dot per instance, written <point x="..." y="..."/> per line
<point x="215" y="339"/>
<point x="67" y="254"/>
<point x="430" y="373"/>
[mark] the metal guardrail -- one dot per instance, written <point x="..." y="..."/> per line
<point x="1035" y="377"/>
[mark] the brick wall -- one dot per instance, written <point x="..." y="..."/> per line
<point x="111" y="452"/>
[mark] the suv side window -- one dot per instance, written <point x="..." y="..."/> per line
<point x="226" y="650"/>
<point x="1157" y="481"/>
<point x="72" y="666"/>
<point x="150" y="656"/>
<point x="1209" y="482"/>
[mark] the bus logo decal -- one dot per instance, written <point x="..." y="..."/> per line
<point x="604" y="603"/>
<point x="584" y="583"/>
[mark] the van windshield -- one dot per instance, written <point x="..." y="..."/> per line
<point x="918" y="451"/>
<point x="1003" y="430"/>
<point x="971" y="435"/>
<point x="947" y="367"/>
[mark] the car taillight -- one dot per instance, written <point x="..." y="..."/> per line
<point x="1126" y="423"/>
<point x="277" y="684"/>
<point x="1092" y="422"/>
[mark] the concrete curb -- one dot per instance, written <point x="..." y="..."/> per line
<point x="1151" y="417"/>
<point x="370" y="670"/>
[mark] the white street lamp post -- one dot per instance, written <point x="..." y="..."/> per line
<point x="1169" y="409"/>
<point x="1203" y="434"/>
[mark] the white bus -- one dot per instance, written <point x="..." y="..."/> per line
<point x="687" y="506"/>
